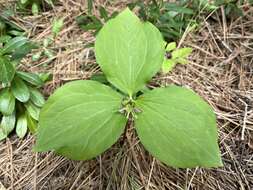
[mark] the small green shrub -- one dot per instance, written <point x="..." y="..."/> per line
<point x="84" y="118"/>
<point x="171" y="18"/>
<point x="20" y="99"/>
<point x="175" y="56"/>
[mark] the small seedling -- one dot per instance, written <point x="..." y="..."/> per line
<point x="34" y="5"/>
<point x="45" y="50"/>
<point x="20" y="99"/>
<point x="175" y="56"/>
<point x="84" y="118"/>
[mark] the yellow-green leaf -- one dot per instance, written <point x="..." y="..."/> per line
<point x="80" y="120"/>
<point x="129" y="52"/>
<point x="177" y="127"/>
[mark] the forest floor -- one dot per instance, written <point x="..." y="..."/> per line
<point x="220" y="70"/>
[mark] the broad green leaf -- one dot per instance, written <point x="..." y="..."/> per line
<point x="7" y="70"/>
<point x="36" y="97"/>
<point x="129" y="52"/>
<point x="181" y="53"/>
<point x="14" y="44"/>
<point x="178" y="127"/>
<point x="80" y="120"/>
<point x="21" y="127"/>
<point x="171" y="46"/>
<point x="33" y="110"/>
<point x="8" y="123"/>
<point x="7" y="102"/>
<point x="20" y="90"/>
<point x="168" y="65"/>
<point x="31" y="78"/>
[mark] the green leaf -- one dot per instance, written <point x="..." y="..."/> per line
<point x="45" y="77"/>
<point x="23" y="1"/>
<point x="129" y="52"/>
<point x="3" y="135"/>
<point x="33" y="110"/>
<point x="182" y="61"/>
<point x="21" y="127"/>
<point x="57" y="26"/>
<point x="16" y="33"/>
<point x="36" y="57"/>
<point x="31" y="123"/>
<point x="7" y="102"/>
<point x="36" y="97"/>
<point x="49" y="53"/>
<point x="173" y="7"/>
<point x="171" y="46"/>
<point x="35" y="9"/>
<point x="80" y="120"/>
<point x="31" y="78"/>
<point x="4" y="38"/>
<point x="22" y="51"/>
<point x="168" y="65"/>
<point x="181" y="53"/>
<point x="14" y="44"/>
<point x="20" y="90"/>
<point x="103" y="13"/>
<point x="7" y="70"/>
<point x="178" y="127"/>
<point x="8" y="123"/>
<point x="90" y="6"/>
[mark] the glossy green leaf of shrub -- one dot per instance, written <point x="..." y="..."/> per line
<point x="21" y="127"/>
<point x="84" y="118"/>
<point x="7" y="102"/>
<point x="20" y="90"/>
<point x="7" y="70"/>
<point x="20" y="101"/>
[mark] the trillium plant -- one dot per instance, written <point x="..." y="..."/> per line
<point x="84" y="118"/>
